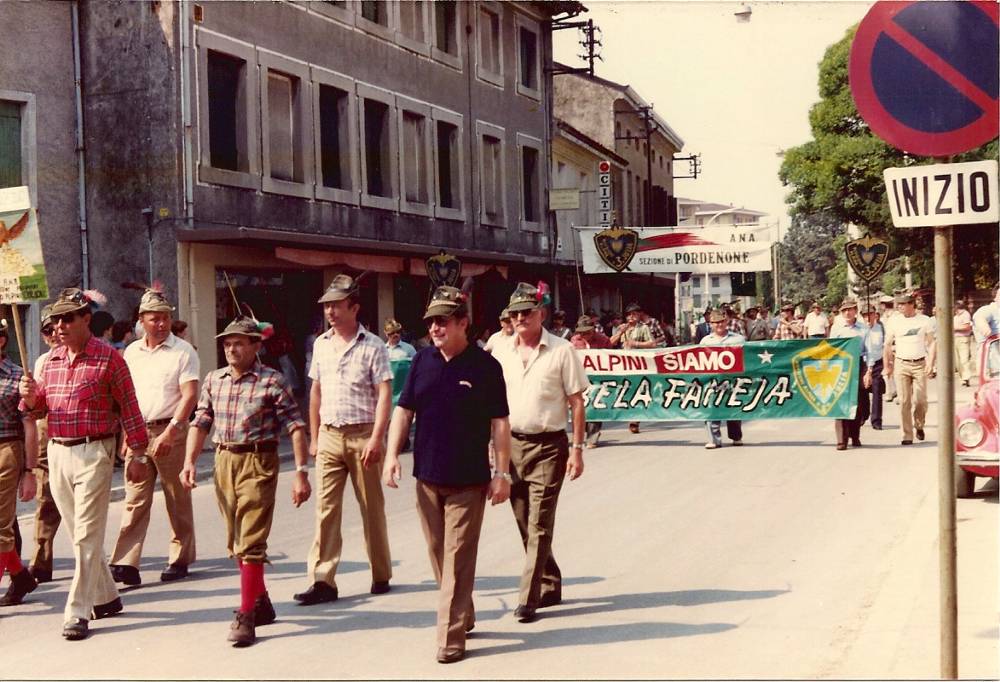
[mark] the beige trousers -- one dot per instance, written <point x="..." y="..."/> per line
<point x="245" y="486"/>
<point x="911" y="382"/>
<point x="80" y="478"/>
<point x="963" y="357"/>
<point x="452" y="519"/>
<point x="11" y="464"/>
<point x="139" y="503"/>
<point x="339" y="456"/>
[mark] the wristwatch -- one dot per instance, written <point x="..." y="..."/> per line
<point x="504" y="475"/>
<point x="578" y="446"/>
<point x="302" y="468"/>
<point x="141" y="459"/>
<point x="174" y="423"/>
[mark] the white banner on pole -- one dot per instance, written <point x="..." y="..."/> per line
<point x="677" y="249"/>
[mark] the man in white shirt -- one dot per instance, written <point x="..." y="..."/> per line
<point x="165" y="372"/>
<point x="962" y="326"/>
<point x="721" y="336"/>
<point x="505" y="334"/>
<point x="852" y="327"/>
<point x="816" y="323"/>
<point x="909" y="356"/>
<point x="398" y="349"/>
<point x="544" y="376"/>
<point x="986" y="320"/>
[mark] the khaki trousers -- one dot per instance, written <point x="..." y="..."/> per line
<point x="139" y="503"/>
<point x="339" y="456"/>
<point x="11" y="464"/>
<point x="963" y="357"/>
<point x="245" y="485"/>
<point x="452" y="519"/>
<point x="81" y="485"/>
<point x="911" y="382"/>
<point x="47" y="516"/>
<point x="538" y="470"/>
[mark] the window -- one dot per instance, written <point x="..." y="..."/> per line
<point x="414" y="157"/>
<point x="531" y="180"/>
<point x="697" y="301"/>
<point x="449" y="171"/>
<point x="489" y="66"/>
<point x="336" y="137"/>
<point x="341" y="10"/>
<point x="378" y="148"/>
<point x="715" y="282"/>
<point x="376" y="18"/>
<point x="491" y="173"/>
<point x="286" y="126"/>
<point x="281" y="96"/>
<point x="528" y="67"/>
<point x="11" y="157"/>
<point x="413" y="28"/>
<point x="229" y="127"/>
<point x="446" y="33"/>
<point x="618" y="129"/>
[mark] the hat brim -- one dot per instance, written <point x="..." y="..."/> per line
<point x="439" y="310"/>
<point x="256" y="336"/>
<point x="523" y="305"/>
<point x="332" y="297"/>
<point x="63" y="307"/>
<point x="905" y="299"/>
<point x="849" y="306"/>
<point x="582" y="328"/>
<point x="156" y="309"/>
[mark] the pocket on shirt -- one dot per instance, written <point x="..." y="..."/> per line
<point x="86" y="392"/>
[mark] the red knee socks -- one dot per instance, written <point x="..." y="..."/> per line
<point x="10" y="561"/>
<point x="251" y="585"/>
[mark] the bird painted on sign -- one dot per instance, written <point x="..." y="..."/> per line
<point x="9" y="234"/>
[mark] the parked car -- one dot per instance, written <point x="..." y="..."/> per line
<point x="977" y="425"/>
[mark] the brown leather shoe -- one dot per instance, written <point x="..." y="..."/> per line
<point x="241" y="632"/>
<point x="380" y="587"/>
<point x="449" y="655"/>
<point x="40" y="574"/>
<point x="263" y="611"/>
<point x="633" y="427"/>
<point x="841" y="446"/>
<point x="20" y="585"/>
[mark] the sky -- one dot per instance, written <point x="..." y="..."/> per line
<point x="737" y="93"/>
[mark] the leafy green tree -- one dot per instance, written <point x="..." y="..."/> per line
<point x="838" y="175"/>
<point x="808" y="256"/>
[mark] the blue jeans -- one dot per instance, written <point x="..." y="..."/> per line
<point x="734" y="429"/>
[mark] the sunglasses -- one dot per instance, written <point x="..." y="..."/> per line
<point x="521" y="313"/>
<point x="65" y="318"/>
<point x="48" y="330"/>
<point x="440" y="321"/>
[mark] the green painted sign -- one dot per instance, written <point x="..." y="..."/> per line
<point x="796" y="379"/>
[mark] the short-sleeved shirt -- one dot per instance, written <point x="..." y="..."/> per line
<point x="986" y="318"/>
<point x="401" y="351"/>
<point x="910" y="335"/>
<point x="158" y="374"/>
<point x="961" y="319"/>
<point x="249" y="408"/>
<point x="730" y="339"/>
<point x="857" y="330"/>
<point x="10" y="414"/>
<point x="537" y="392"/>
<point x="348" y="377"/>
<point x="454" y="401"/>
<point x="90" y="395"/>
<point x="816" y="323"/>
<point x="496" y="339"/>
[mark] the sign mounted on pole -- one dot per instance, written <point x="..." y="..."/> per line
<point x="22" y="269"/>
<point x="924" y="74"/>
<point x="444" y="269"/>
<point x="604" y="207"/>
<point x="943" y="194"/>
<point x="867" y="256"/>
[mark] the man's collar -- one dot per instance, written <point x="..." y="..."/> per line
<point x="544" y="340"/>
<point x="168" y="342"/>
<point x="329" y="333"/>
<point x="254" y="369"/>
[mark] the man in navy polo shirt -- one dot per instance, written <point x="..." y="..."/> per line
<point x="456" y="390"/>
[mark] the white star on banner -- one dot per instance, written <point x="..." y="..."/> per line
<point x="765" y="357"/>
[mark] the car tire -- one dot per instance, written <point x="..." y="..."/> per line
<point x="965" y="483"/>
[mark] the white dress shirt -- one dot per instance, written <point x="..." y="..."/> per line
<point x="158" y="374"/>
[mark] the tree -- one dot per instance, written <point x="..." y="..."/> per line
<point x="809" y="256"/>
<point x="838" y="175"/>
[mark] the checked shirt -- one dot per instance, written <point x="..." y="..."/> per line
<point x="89" y="396"/>
<point x="246" y="409"/>
<point x="10" y="415"/>
<point x="348" y="379"/>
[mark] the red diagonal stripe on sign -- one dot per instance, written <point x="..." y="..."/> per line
<point x="672" y="241"/>
<point x="940" y="66"/>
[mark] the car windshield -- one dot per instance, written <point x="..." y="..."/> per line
<point x="993" y="359"/>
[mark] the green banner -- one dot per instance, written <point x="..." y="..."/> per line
<point x="400" y="368"/>
<point x="796" y="379"/>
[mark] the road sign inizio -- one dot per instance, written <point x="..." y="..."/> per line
<point x="924" y="74"/>
<point x="943" y="194"/>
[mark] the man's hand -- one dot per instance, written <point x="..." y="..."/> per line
<point x="28" y="388"/>
<point x="867" y="379"/>
<point x="574" y="466"/>
<point x="372" y="454"/>
<point x="313" y="448"/>
<point x="300" y="488"/>
<point x="499" y="490"/>
<point x="163" y="443"/>
<point x="27" y="487"/>
<point x="188" y="475"/>
<point x="135" y="471"/>
<point x="391" y="471"/>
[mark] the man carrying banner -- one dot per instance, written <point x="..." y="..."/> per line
<point x="543" y="375"/>
<point x="721" y="336"/>
<point x="909" y="356"/>
<point x="456" y="392"/>
<point x="850" y="327"/>
<point x="87" y="392"/>
<point x="634" y="333"/>
<point x="787" y="327"/>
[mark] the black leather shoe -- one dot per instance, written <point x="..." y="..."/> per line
<point x="450" y="655"/>
<point x="524" y="614"/>
<point x="318" y="593"/>
<point x="40" y="575"/>
<point x="906" y="442"/>
<point x="174" y="572"/>
<point x="75" y="628"/>
<point x="855" y="442"/>
<point x="263" y="610"/>
<point x="550" y="599"/>
<point x="112" y="608"/>
<point x="841" y="446"/>
<point x="20" y="585"/>
<point x="125" y="574"/>
<point x="920" y="434"/>
<point x="380" y="587"/>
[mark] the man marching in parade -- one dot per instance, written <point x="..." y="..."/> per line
<point x="248" y="403"/>
<point x="721" y="336"/>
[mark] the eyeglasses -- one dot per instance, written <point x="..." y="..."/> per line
<point x="48" y="330"/>
<point x="440" y="321"/>
<point x="65" y="318"/>
<point x="515" y="314"/>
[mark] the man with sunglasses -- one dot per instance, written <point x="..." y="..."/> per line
<point x="349" y="406"/>
<point x="165" y="371"/>
<point x="544" y="376"/>
<point x="87" y="392"/>
<point x="457" y="395"/>
<point x="397" y="348"/>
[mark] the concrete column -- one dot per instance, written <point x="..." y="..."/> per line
<point x="386" y="300"/>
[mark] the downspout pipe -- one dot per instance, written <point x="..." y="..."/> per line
<point x="80" y="150"/>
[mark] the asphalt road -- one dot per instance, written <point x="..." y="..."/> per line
<point x="781" y="559"/>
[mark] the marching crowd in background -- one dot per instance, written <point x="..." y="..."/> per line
<point x="491" y="413"/>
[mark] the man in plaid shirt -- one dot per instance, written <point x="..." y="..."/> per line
<point x="349" y="406"/>
<point x="86" y="391"/>
<point x="248" y="403"/>
<point x="787" y="327"/>
<point x="16" y="479"/>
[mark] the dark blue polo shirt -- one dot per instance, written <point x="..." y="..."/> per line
<point x="454" y="401"/>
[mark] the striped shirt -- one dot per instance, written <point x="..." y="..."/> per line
<point x="10" y="415"/>
<point x="348" y="377"/>
<point x="90" y="395"/>
<point x="656" y="332"/>
<point x="787" y="330"/>
<point x="249" y="408"/>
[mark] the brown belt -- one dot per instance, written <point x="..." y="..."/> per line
<point x="543" y="437"/>
<point x="909" y="360"/>
<point x="244" y="448"/>
<point x="10" y="439"/>
<point x="159" y="422"/>
<point x="70" y="442"/>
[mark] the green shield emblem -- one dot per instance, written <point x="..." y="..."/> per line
<point x="822" y="374"/>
